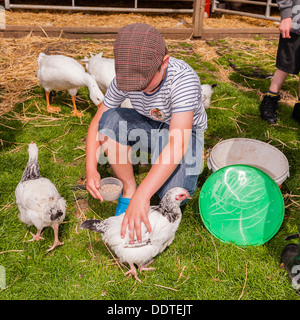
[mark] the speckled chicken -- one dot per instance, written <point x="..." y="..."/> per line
<point x="38" y="200"/>
<point x="164" y="219"/>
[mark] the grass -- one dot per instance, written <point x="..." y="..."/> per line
<point x="196" y="265"/>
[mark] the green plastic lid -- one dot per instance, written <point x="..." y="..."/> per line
<point x="241" y="204"/>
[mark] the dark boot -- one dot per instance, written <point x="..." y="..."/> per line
<point x="268" y="108"/>
<point x="296" y="112"/>
<point x="290" y="257"/>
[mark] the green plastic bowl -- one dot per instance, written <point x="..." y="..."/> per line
<point x="241" y="204"/>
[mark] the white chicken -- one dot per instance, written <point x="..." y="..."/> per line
<point x="103" y="70"/>
<point x="164" y="219"/>
<point x="38" y="200"/>
<point x="207" y="91"/>
<point x="58" y="72"/>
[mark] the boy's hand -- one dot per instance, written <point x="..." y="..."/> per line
<point x="285" y="27"/>
<point x="93" y="185"/>
<point x="136" y="213"/>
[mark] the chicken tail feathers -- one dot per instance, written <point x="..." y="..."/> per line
<point x="93" y="225"/>
<point x="31" y="172"/>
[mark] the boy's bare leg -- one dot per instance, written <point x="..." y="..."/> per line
<point x="278" y="80"/>
<point x="119" y="157"/>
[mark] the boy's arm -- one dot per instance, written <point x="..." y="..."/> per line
<point x="137" y="211"/>
<point x="285" y="7"/>
<point x="92" y="146"/>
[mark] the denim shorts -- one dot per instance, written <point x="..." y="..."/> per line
<point x="147" y="136"/>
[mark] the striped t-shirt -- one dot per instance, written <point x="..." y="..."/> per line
<point x="180" y="91"/>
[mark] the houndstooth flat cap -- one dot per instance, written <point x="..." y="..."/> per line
<point x="139" y="50"/>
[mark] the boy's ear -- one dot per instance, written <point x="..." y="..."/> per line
<point x="165" y="61"/>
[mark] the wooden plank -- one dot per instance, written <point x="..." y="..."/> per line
<point x="110" y="33"/>
<point x="221" y="33"/>
<point x="198" y="17"/>
<point x="81" y="32"/>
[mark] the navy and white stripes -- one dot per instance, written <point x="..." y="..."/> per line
<point x="179" y="92"/>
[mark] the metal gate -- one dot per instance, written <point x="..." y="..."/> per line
<point x="74" y="7"/>
<point x="269" y="4"/>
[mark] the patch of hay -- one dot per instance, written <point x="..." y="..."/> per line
<point x="88" y="19"/>
<point x="83" y="19"/>
<point x="206" y="51"/>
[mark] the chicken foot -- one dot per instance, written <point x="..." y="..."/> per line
<point x="145" y="266"/>
<point x="37" y="236"/>
<point x="56" y="240"/>
<point x="133" y="272"/>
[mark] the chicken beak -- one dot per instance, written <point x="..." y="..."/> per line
<point x="188" y="196"/>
